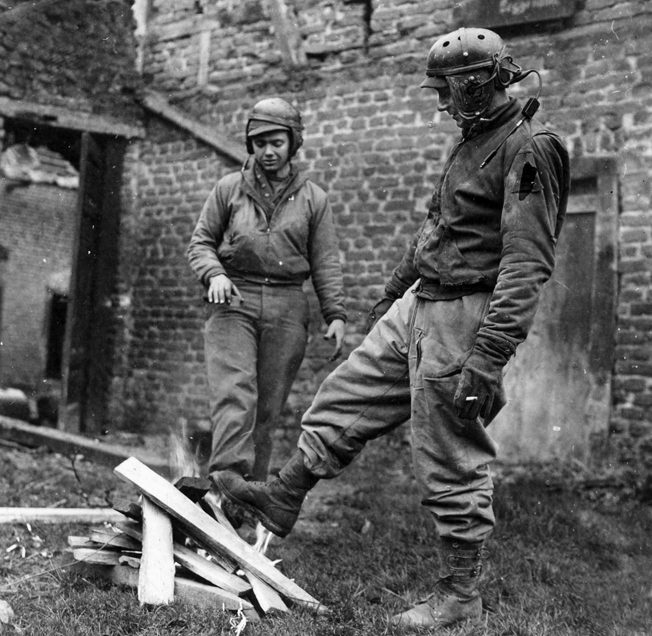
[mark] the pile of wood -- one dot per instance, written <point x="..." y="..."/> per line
<point x="169" y="548"/>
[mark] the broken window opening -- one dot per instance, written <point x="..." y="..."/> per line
<point x="367" y="14"/>
<point x="20" y="131"/>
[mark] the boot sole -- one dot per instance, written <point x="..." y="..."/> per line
<point x="261" y="516"/>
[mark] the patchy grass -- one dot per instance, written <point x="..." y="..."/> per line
<point x="566" y="559"/>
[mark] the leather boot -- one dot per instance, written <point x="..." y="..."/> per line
<point x="275" y="503"/>
<point x="456" y="598"/>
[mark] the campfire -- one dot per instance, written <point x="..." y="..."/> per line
<point x="170" y="548"/>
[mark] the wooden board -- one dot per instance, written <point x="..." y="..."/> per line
<point x="112" y="539"/>
<point x="209" y="532"/>
<point x="185" y="590"/>
<point x="59" y="515"/>
<point x="156" y="574"/>
<point x="94" y="555"/>
<point x="202" y="567"/>
<point x="266" y="596"/>
<point x="71" y="443"/>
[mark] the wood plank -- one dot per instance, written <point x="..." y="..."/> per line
<point x="156" y="574"/>
<point x="128" y="508"/>
<point x="156" y="103"/>
<point x="58" y="117"/>
<point x="202" y="567"/>
<point x="59" y="515"/>
<point x="185" y="590"/>
<point x="210" y="533"/>
<point x="75" y="541"/>
<point x="72" y="444"/>
<point x="182" y="28"/>
<point x="266" y="596"/>
<point x="214" y="508"/>
<point x="287" y="35"/>
<point x="96" y="556"/>
<point x="112" y="539"/>
<point x="193" y="487"/>
<point x="131" y="561"/>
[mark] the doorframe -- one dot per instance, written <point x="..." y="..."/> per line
<point x="604" y="305"/>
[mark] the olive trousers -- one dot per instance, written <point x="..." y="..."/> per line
<point x="253" y="351"/>
<point x="407" y="368"/>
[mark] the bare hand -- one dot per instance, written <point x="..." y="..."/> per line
<point x="335" y="330"/>
<point x="221" y="290"/>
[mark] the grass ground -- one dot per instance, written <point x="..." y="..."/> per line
<point x="568" y="557"/>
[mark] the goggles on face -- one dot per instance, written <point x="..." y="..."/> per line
<point x="471" y="93"/>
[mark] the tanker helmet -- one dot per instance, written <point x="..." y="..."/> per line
<point x="274" y="113"/>
<point x="472" y="63"/>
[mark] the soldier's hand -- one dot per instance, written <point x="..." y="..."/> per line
<point x="480" y="390"/>
<point x="378" y="311"/>
<point x="335" y="330"/>
<point x="222" y="290"/>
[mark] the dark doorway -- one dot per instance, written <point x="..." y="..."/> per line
<point x="56" y="336"/>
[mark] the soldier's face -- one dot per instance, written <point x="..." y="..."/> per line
<point x="446" y="104"/>
<point x="272" y="151"/>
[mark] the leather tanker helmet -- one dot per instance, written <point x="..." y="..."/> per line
<point x="472" y="63"/>
<point x="274" y="113"/>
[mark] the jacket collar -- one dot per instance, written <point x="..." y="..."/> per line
<point x="252" y="176"/>
<point x="496" y="118"/>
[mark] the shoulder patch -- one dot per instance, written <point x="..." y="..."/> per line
<point x="528" y="183"/>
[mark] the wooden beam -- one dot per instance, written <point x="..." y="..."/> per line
<point x="59" y="515"/>
<point x="156" y="574"/>
<point x="96" y="556"/>
<point x="190" y="592"/>
<point x="210" y="533"/>
<point x="181" y="28"/>
<point x="72" y="444"/>
<point x="113" y="539"/>
<point x="207" y="570"/>
<point x="156" y="103"/>
<point x="266" y="596"/>
<point x="287" y="35"/>
<point x="204" y="57"/>
<point x="58" y="117"/>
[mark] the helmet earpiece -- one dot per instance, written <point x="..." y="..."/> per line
<point x="474" y="64"/>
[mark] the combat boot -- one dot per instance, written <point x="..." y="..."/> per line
<point x="275" y="503"/>
<point x="456" y="598"/>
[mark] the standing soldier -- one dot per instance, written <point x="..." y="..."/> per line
<point x="262" y="232"/>
<point x="436" y="354"/>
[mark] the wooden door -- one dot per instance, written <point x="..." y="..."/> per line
<point x="87" y="363"/>
<point x="559" y="383"/>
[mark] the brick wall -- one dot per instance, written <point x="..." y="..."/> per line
<point x="368" y="144"/>
<point x="37" y="224"/>
<point x="77" y="54"/>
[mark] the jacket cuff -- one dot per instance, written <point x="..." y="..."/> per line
<point x="329" y="319"/>
<point x="496" y="349"/>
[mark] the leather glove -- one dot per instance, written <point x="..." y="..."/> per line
<point x="480" y="391"/>
<point x="378" y="311"/>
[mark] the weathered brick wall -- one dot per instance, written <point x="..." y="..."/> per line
<point x="77" y="54"/>
<point x="369" y="145"/>
<point x="37" y="222"/>
<point x="159" y="376"/>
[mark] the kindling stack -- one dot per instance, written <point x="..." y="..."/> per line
<point x="149" y="550"/>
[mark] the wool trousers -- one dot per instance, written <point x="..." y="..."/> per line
<point x="253" y="351"/>
<point x="407" y="370"/>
